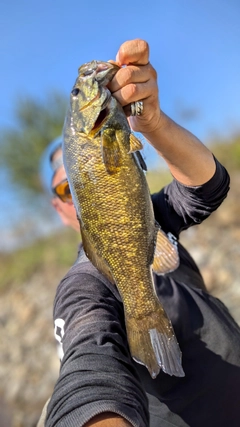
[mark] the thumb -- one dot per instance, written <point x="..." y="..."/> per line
<point x="133" y="52"/>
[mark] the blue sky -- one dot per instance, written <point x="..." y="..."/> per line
<point x="194" y="46"/>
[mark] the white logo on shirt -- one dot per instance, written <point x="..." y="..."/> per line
<point x="59" y="333"/>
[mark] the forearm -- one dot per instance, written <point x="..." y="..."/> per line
<point x="189" y="161"/>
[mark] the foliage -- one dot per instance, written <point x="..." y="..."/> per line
<point x="157" y="179"/>
<point x="228" y="152"/>
<point x="38" y="123"/>
<point x="54" y="252"/>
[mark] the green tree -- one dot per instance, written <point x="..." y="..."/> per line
<point x="38" y="122"/>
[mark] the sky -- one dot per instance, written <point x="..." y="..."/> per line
<point x="194" y="47"/>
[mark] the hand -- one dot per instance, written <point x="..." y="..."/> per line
<point x="137" y="81"/>
<point x="189" y="161"/>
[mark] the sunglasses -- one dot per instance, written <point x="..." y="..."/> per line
<point x="62" y="191"/>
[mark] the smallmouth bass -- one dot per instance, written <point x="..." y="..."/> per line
<point x="119" y="233"/>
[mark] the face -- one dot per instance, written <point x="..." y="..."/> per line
<point x="65" y="210"/>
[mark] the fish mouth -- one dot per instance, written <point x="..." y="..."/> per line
<point x="101" y="119"/>
<point x="103" y="115"/>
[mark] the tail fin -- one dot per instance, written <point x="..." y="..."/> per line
<point x="153" y="343"/>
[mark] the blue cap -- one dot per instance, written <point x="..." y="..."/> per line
<point x="48" y="166"/>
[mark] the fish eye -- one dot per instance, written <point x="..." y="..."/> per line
<point x="75" y="91"/>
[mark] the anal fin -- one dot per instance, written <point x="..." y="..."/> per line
<point x="166" y="257"/>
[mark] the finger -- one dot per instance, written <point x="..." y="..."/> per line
<point x="147" y="103"/>
<point x="127" y="110"/>
<point x="135" y="92"/>
<point x="132" y="74"/>
<point x="112" y="62"/>
<point x="133" y="52"/>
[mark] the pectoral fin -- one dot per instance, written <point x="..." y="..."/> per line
<point x="111" y="152"/>
<point x="166" y="257"/>
<point x="135" y="143"/>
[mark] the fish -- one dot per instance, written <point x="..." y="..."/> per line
<point x="120" y="236"/>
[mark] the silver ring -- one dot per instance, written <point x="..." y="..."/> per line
<point x="136" y="108"/>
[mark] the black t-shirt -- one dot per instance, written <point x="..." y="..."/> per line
<point x="97" y="373"/>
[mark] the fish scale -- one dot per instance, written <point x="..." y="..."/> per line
<point x="113" y="204"/>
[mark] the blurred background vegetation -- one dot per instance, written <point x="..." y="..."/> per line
<point x="37" y="124"/>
